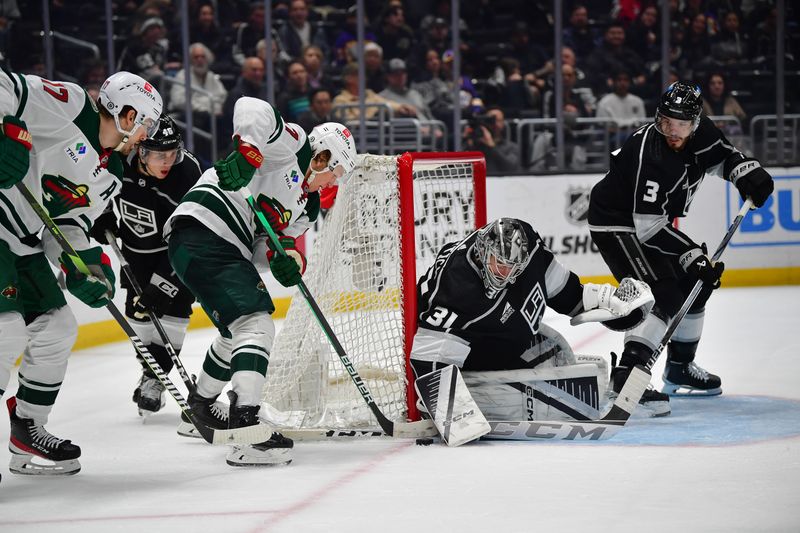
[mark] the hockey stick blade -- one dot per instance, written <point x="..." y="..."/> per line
<point x="402" y="430"/>
<point x="602" y="429"/>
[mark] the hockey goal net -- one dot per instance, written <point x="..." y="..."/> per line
<point x="389" y="220"/>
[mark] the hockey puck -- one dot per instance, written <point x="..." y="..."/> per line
<point x="424" y="442"/>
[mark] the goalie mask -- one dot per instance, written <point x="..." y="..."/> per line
<point x="165" y="148"/>
<point x="503" y="252"/>
<point x="339" y="142"/>
<point x="126" y="89"/>
<point x="678" y="112"/>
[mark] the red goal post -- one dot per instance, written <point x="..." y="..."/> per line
<point x="390" y="218"/>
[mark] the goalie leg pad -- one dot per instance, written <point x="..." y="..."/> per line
<point x="449" y="402"/>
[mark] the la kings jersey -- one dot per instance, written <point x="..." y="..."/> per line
<point x="144" y="204"/>
<point x="277" y="185"/>
<point x="459" y="324"/>
<point x="649" y="185"/>
<point x="71" y="175"/>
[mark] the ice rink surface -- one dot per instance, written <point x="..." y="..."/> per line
<point x="730" y="463"/>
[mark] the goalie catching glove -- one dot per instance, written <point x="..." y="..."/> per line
<point x="95" y="290"/>
<point x="288" y="267"/>
<point x="619" y="308"/>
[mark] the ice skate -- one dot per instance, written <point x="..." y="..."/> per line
<point x="653" y="403"/>
<point x="275" y="451"/>
<point x="149" y="395"/>
<point x="688" y="379"/>
<point x="30" y="440"/>
<point x="209" y="411"/>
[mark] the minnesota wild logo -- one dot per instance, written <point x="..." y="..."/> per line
<point x="277" y="215"/>
<point x="10" y="292"/>
<point x="61" y="195"/>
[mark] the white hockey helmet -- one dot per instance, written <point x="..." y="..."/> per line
<point x="123" y="89"/>
<point x="339" y="141"/>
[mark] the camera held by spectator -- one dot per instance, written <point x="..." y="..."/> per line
<point x="486" y="132"/>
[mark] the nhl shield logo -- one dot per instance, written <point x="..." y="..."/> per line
<point x="577" y="210"/>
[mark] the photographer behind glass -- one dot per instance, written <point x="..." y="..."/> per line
<point x="485" y="132"/>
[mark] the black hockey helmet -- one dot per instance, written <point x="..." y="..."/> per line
<point x="503" y="252"/>
<point x="166" y="139"/>
<point x="682" y="101"/>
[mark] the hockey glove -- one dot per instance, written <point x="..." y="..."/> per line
<point x="15" y="147"/>
<point x="236" y="170"/>
<point x="611" y="305"/>
<point x="96" y="290"/>
<point x="698" y="264"/>
<point x="752" y="181"/>
<point x="155" y="298"/>
<point x="107" y="221"/>
<point x="288" y="269"/>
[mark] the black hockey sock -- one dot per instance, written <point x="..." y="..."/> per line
<point x="681" y="352"/>
<point x="635" y="353"/>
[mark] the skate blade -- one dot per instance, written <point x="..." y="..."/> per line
<point x="684" y="391"/>
<point x="23" y="464"/>
<point x="187" y="429"/>
<point x="246" y="456"/>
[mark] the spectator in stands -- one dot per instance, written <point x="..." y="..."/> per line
<point x="467" y="92"/>
<point x="578" y="35"/>
<point x="320" y="110"/>
<point x="349" y="95"/>
<point x="643" y="35"/>
<point x="731" y="45"/>
<point x="201" y="77"/>
<point x="764" y="37"/>
<point x="718" y="100"/>
<point x="397" y="90"/>
<point x="346" y="40"/>
<point x="315" y="65"/>
<point x="502" y="155"/>
<point x="205" y="30"/>
<point x="293" y="99"/>
<point x="394" y="35"/>
<point x="250" y="83"/>
<point x="613" y="56"/>
<point x="530" y="55"/>
<point x="696" y="43"/>
<point x="435" y="91"/>
<point x="373" y="65"/>
<point x="518" y="95"/>
<point x="247" y="35"/>
<point x="579" y="101"/>
<point x="280" y="60"/>
<point x="438" y="36"/>
<point x="145" y="53"/>
<point x="299" y="33"/>
<point x="624" y="108"/>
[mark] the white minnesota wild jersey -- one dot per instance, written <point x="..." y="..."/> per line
<point x="70" y="173"/>
<point x="277" y="185"/>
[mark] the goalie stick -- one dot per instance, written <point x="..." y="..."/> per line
<point x="126" y="268"/>
<point x="393" y="429"/>
<point x="631" y="392"/>
<point x="246" y="435"/>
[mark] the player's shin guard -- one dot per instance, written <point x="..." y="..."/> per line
<point x="216" y="371"/>
<point x="682" y="376"/>
<point x="13" y="339"/>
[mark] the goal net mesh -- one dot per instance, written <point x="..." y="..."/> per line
<point x="356" y="276"/>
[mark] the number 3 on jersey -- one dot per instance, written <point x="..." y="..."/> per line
<point x="441" y="317"/>
<point x="651" y="191"/>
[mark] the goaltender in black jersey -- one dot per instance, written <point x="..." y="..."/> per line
<point x="156" y="176"/>
<point x="480" y="310"/>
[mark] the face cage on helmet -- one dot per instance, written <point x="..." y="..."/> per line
<point x="492" y="281"/>
<point x="683" y="128"/>
<point x="151" y="155"/>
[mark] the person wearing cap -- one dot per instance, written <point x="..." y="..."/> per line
<point x="394" y="35"/>
<point x="63" y="148"/>
<point x="349" y="96"/>
<point x="397" y="90"/>
<point x="347" y="37"/>
<point x="146" y="52"/>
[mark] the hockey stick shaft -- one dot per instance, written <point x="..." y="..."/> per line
<point x="386" y="424"/>
<point x="684" y="310"/>
<point x="246" y="435"/>
<point x="126" y="268"/>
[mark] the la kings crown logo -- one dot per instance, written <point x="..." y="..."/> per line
<point x="141" y="221"/>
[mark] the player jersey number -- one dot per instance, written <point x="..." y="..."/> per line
<point x="441" y="317"/>
<point x="56" y="90"/>
<point x="651" y="191"/>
